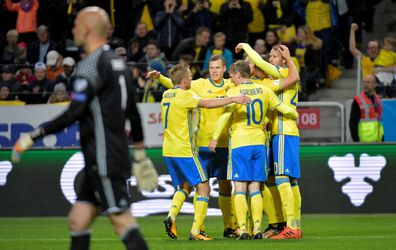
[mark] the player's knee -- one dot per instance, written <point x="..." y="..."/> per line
<point x="77" y="225"/>
<point x="225" y="187"/>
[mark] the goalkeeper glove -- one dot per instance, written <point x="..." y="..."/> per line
<point x="24" y="142"/>
<point x="144" y="171"/>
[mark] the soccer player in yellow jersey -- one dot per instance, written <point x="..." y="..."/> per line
<point x="215" y="164"/>
<point x="180" y="157"/>
<point x="248" y="151"/>
<point x="285" y="144"/>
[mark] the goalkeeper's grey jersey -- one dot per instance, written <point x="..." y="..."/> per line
<point x="103" y="99"/>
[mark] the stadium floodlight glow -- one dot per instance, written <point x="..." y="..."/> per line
<point x="357" y="188"/>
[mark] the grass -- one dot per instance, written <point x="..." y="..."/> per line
<point x="352" y="231"/>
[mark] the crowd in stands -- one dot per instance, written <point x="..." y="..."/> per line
<point x="37" y="54"/>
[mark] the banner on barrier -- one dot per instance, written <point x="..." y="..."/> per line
<point x="335" y="179"/>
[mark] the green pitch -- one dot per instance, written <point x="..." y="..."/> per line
<point x="361" y="231"/>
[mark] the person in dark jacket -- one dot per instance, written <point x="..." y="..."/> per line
<point x="38" y="50"/>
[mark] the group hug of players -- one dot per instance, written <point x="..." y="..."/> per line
<point x="243" y="130"/>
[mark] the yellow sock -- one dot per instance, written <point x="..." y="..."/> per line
<point x="269" y="206"/>
<point x="256" y="205"/>
<point x="277" y="203"/>
<point x="297" y="203"/>
<point x="286" y="195"/>
<point x="200" y="209"/>
<point x="202" y="228"/>
<point x="249" y="220"/>
<point x="225" y="207"/>
<point x="233" y="224"/>
<point x="177" y="202"/>
<point x="241" y="210"/>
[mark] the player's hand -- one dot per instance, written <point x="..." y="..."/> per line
<point x="144" y="171"/>
<point x="239" y="47"/>
<point x="212" y="145"/>
<point x="354" y="27"/>
<point x="23" y="143"/>
<point x="242" y="99"/>
<point x="284" y="51"/>
<point x="154" y="74"/>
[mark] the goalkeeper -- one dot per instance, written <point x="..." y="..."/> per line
<point x="102" y="102"/>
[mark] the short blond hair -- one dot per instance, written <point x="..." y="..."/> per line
<point x="12" y="32"/>
<point x="390" y="40"/>
<point x="179" y="72"/>
<point x="242" y="67"/>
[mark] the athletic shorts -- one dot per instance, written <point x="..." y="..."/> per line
<point x="248" y="164"/>
<point x="182" y="169"/>
<point x="285" y="157"/>
<point x="111" y="195"/>
<point x="215" y="164"/>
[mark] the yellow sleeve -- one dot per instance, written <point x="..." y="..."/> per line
<point x="274" y="85"/>
<point x="287" y="111"/>
<point x="165" y="81"/>
<point x="273" y="100"/>
<point x="221" y="124"/>
<point x="261" y="63"/>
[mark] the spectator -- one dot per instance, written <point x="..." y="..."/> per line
<point x="59" y="95"/>
<point x="54" y="65"/>
<point x="200" y="16"/>
<point x="169" y="25"/>
<point x="38" y="50"/>
<point x="139" y="41"/>
<point x="13" y="53"/>
<point x="38" y="91"/>
<point x="271" y="39"/>
<point x="366" y="112"/>
<point x="69" y="73"/>
<point x="218" y="49"/>
<point x="5" y="93"/>
<point x="234" y="17"/>
<point x="25" y="75"/>
<point x="195" y="46"/>
<point x="256" y="27"/>
<point x="259" y="47"/>
<point x="27" y="18"/>
<point x="307" y="50"/>
<point x="153" y="55"/>
<point x="8" y="80"/>
<point x="145" y="11"/>
<point x="385" y="64"/>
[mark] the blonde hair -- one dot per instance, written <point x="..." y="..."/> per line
<point x="242" y="67"/>
<point x="390" y="40"/>
<point x="12" y="32"/>
<point x="179" y="72"/>
<point x="311" y="38"/>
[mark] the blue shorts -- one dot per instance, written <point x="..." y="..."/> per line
<point x="285" y="157"/>
<point x="182" y="169"/>
<point x="215" y="164"/>
<point x="248" y="164"/>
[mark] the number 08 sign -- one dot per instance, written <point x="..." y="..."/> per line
<point x="308" y="118"/>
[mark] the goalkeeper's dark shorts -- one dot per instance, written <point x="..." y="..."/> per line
<point x="109" y="194"/>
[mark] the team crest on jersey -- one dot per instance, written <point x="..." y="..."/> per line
<point x="117" y="64"/>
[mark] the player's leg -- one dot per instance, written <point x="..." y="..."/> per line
<point x="200" y="210"/>
<point x="81" y="216"/>
<point x="284" y="163"/>
<point x="178" y="180"/>
<point x="241" y="208"/>
<point x="126" y="227"/>
<point x="297" y="205"/>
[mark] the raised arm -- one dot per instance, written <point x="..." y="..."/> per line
<point x="220" y="102"/>
<point x="293" y="75"/>
<point x="165" y="81"/>
<point x="257" y="60"/>
<point x="352" y="41"/>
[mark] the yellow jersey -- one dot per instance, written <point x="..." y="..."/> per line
<point x="289" y="96"/>
<point x="368" y="66"/>
<point x="247" y="121"/>
<point x="206" y="88"/>
<point x="257" y="25"/>
<point x="385" y="58"/>
<point x="318" y="15"/>
<point x="177" y="107"/>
